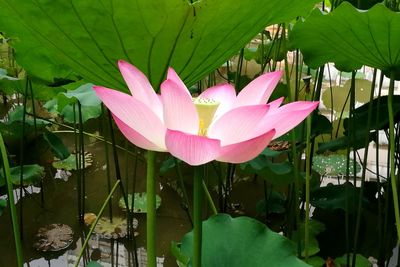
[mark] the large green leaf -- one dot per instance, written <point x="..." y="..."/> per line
<point x="241" y="241"/>
<point x="90" y="36"/>
<point x="350" y="38"/>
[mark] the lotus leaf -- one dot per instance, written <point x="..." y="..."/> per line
<point x="32" y="174"/>
<point x="69" y="163"/>
<point x="350" y="38"/>
<point x="227" y="242"/>
<point x="333" y="165"/>
<point x="54" y="237"/>
<point x="332" y="197"/>
<point x="91" y="35"/>
<point x="140" y="205"/>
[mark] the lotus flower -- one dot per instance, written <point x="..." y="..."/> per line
<point x="216" y="125"/>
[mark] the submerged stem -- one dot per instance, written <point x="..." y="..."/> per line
<point x="96" y="221"/>
<point x="151" y="210"/>
<point x="13" y="210"/>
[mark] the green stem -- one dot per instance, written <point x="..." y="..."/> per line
<point x="13" y="210"/>
<point x="392" y="156"/>
<point x="209" y="198"/>
<point x="197" y="208"/>
<point x="151" y="210"/>
<point x="308" y="173"/>
<point x="295" y="160"/>
<point x="95" y="222"/>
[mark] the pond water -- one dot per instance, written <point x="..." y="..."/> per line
<point x="60" y="206"/>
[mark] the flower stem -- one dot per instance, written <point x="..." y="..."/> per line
<point x="197" y="208"/>
<point x="392" y="156"/>
<point x="308" y="174"/>
<point x="13" y="210"/>
<point x="96" y="221"/>
<point x="151" y="210"/>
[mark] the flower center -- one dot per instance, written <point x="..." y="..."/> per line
<point x="206" y="108"/>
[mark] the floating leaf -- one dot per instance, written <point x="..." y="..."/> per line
<point x="90" y="37"/>
<point x="140" y="205"/>
<point x="118" y="228"/>
<point x="226" y="242"/>
<point x="54" y="237"/>
<point x="69" y="163"/>
<point x="333" y="165"/>
<point x="32" y="174"/>
<point x="350" y="38"/>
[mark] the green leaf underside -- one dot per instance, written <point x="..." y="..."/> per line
<point x="92" y="35"/>
<point x="227" y="240"/>
<point x="350" y="38"/>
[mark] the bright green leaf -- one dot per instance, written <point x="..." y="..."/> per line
<point x="90" y="36"/>
<point x="350" y="38"/>
<point x="229" y="241"/>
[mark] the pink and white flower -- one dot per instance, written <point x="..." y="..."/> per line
<point x="216" y="125"/>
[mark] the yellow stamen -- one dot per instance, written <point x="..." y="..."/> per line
<point x="206" y="109"/>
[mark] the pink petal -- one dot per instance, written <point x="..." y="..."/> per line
<point x="192" y="149"/>
<point x="259" y="90"/>
<point x="180" y="113"/>
<point x="225" y="94"/>
<point x="173" y="76"/>
<point x="287" y="117"/>
<point x="134" y="114"/>
<point x="140" y="86"/>
<point x="237" y="124"/>
<point x="275" y="104"/>
<point x="136" y="138"/>
<point x="246" y="150"/>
